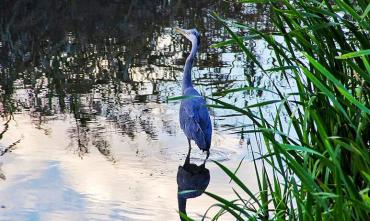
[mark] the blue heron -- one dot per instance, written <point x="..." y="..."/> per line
<point x="194" y="116"/>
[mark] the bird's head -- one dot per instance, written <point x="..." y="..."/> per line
<point x="191" y="34"/>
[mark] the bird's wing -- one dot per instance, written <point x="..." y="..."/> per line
<point x="195" y="121"/>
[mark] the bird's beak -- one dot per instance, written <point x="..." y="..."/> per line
<point x="181" y="31"/>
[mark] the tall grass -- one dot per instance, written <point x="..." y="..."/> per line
<point x="323" y="171"/>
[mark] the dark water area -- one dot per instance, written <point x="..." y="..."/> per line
<point x="85" y="85"/>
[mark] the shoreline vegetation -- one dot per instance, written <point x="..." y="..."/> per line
<point x="323" y="171"/>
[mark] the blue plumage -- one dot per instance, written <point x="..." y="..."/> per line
<point x="194" y="116"/>
<point x="195" y="120"/>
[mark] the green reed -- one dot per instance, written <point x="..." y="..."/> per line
<point x="323" y="171"/>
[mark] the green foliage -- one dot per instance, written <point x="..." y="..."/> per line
<point x="321" y="172"/>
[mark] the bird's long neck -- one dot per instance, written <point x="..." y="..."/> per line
<point x="186" y="80"/>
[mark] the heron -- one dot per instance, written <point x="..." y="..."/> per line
<point x="194" y="116"/>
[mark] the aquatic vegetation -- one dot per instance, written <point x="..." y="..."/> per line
<point x="316" y="166"/>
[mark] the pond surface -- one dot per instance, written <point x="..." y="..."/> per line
<point x="85" y="86"/>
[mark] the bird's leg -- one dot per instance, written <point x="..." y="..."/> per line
<point x="206" y="157"/>
<point x="189" y="146"/>
<point x="187" y="160"/>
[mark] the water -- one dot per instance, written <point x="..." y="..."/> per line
<point x="86" y="86"/>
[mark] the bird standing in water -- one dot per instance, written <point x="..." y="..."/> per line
<point x="194" y="116"/>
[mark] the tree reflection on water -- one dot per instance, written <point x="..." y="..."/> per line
<point x="113" y="59"/>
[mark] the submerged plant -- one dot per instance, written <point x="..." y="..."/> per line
<point x="319" y="163"/>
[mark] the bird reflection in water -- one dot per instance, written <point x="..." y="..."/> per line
<point x="192" y="181"/>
